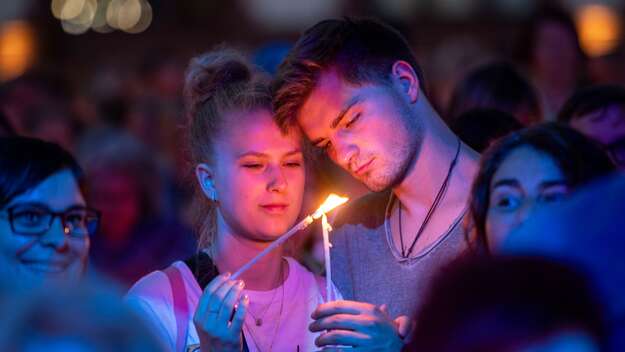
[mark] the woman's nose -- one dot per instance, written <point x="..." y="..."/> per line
<point x="56" y="235"/>
<point x="277" y="180"/>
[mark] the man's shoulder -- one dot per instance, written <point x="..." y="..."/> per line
<point x="367" y="210"/>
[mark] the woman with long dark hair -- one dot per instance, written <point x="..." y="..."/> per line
<point x="535" y="165"/>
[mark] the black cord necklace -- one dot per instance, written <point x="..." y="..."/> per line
<point x="437" y="200"/>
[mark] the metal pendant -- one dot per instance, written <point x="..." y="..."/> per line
<point x="259" y="322"/>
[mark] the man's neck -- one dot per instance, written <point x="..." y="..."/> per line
<point x="425" y="179"/>
<point x="426" y="176"/>
<point x="231" y="251"/>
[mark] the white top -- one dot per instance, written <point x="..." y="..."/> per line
<point x="152" y="297"/>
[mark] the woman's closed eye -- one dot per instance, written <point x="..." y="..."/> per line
<point x="253" y="165"/>
<point x="293" y="163"/>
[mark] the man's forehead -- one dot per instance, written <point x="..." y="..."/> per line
<point x="326" y="99"/>
<point x="330" y="80"/>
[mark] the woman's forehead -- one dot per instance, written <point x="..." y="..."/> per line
<point x="527" y="163"/>
<point x="59" y="191"/>
<point x="256" y="131"/>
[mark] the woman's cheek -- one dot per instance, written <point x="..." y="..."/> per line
<point x="497" y="228"/>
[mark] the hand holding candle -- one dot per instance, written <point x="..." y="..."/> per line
<point x="330" y="203"/>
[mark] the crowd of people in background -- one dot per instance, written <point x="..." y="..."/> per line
<point x="489" y="219"/>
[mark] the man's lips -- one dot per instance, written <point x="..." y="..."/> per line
<point x="363" y="168"/>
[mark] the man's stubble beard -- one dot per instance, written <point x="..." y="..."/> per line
<point x="403" y="157"/>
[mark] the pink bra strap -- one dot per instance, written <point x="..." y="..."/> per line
<point x="181" y="308"/>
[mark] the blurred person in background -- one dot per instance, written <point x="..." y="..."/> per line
<point x="37" y="105"/>
<point x="161" y="75"/>
<point x="138" y="233"/>
<point x="45" y="224"/>
<point x="500" y="86"/>
<point x="608" y="69"/>
<point x="157" y="125"/>
<point x="510" y="304"/>
<point x="528" y="168"/>
<point x="156" y="113"/>
<point x="6" y="129"/>
<point x="551" y="50"/>
<point x="480" y="127"/>
<point x="586" y="231"/>
<point x="448" y="62"/>
<point x="250" y="176"/>
<point x="86" y="317"/>
<point x="599" y="113"/>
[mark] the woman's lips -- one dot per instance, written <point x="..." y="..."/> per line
<point x="46" y="266"/>
<point x="275" y="208"/>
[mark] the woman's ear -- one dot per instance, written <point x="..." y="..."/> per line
<point x="405" y="77"/>
<point x="205" y="177"/>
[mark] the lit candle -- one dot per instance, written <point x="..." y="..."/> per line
<point x="331" y="202"/>
<point x="326" y="252"/>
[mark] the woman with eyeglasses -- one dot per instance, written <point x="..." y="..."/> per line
<point x="45" y="223"/>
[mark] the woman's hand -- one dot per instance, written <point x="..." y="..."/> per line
<point x="220" y="314"/>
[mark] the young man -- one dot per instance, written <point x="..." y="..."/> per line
<point x="599" y="113"/>
<point x="356" y="90"/>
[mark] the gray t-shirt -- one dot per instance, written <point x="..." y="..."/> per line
<point x="366" y="267"/>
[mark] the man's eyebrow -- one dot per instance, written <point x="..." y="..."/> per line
<point x="353" y="101"/>
<point x="350" y="103"/>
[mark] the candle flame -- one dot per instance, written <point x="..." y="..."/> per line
<point x="331" y="202"/>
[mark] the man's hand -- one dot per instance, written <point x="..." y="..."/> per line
<point x="362" y="326"/>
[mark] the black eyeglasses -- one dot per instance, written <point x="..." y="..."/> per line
<point x="36" y="219"/>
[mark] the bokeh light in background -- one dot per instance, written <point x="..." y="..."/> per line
<point x="17" y="49"/>
<point x="103" y="16"/>
<point x="599" y="28"/>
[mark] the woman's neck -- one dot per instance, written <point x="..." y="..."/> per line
<point x="231" y="251"/>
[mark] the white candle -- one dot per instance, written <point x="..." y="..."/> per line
<point x="326" y="252"/>
<point x="331" y="202"/>
<point x="300" y="226"/>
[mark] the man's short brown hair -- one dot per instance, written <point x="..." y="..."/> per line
<point x="360" y="50"/>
